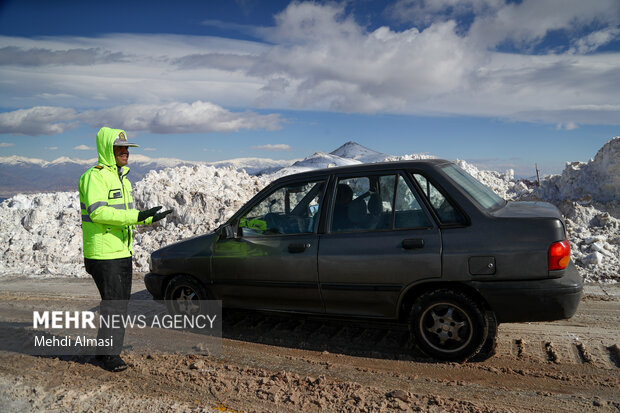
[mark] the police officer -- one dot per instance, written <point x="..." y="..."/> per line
<point x="108" y="218"/>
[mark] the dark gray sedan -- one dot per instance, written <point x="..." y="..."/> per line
<point x="422" y="242"/>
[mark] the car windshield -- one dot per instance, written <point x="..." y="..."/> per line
<point x="477" y="190"/>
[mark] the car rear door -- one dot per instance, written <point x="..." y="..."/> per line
<point x="378" y="240"/>
<point x="272" y="263"/>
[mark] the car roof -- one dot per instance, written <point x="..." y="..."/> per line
<point x="365" y="167"/>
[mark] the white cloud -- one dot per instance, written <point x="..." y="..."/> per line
<point x="40" y="120"/>
<point x="301" y="23"/>
<point x="6" y="144"/>
<point x="319" y="58"/>
<point x="175" y="117"/>
<point x="178" y="117"/>
<point x="331" y="62"/>
<point x="51" y="148"/>
<point x="273" y="147"/>
<point x="595" y="40"/>
<point x="149" y="149"/>
<point x="527" y="22"/>
<point x="437" y="70"/>
<point x="83" y="148"/>
<point x="150" y="72"/>
<point x="16" y="56"/>
<point x="523" y="23"/>
<point x="567" y="126"/>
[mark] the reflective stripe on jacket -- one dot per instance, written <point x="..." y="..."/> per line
<point x="106" y="203"/>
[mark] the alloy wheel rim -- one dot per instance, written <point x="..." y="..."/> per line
<point x="446" y="327"/>
<point x="186" y="299"/>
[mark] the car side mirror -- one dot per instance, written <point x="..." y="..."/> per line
<point x="228" y="232"/>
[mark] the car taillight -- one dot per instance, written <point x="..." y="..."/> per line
<point x="559" y="255"/>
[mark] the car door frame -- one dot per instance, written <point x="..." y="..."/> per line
<point x="396" y="290"/>
<point x="231" y="287"/>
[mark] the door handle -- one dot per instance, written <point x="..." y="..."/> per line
<point x="296" y="247"/>
<point x="414" y="243"/>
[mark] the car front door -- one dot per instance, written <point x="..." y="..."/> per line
<point x="379" y="240"/>
<point x="272" y="262"/>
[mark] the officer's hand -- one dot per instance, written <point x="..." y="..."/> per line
<point x="161" y="215"/>
<point x="142" y="215"/>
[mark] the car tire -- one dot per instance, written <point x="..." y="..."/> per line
<point x="185" y="295"/>
<point x="489" y="347"/>
<point x="448" y="325"/>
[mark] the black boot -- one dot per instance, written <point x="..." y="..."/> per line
<point x="113" y="363"/>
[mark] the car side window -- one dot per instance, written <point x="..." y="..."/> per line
<point x="291" y="209"/>
<point x="446" y="212"/>
<point x="363" y="203"/>
<point x="408" y="211"/>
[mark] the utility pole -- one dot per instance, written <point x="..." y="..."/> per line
<point x="537" y="175"/>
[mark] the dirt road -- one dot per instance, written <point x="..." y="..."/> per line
<point x="291" y="363"/>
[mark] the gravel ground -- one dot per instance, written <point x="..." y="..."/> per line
<point x="277" y="363"/>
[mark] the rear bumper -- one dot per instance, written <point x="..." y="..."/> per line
<point x="534" y="300"/>
<point x="156" y="285"/>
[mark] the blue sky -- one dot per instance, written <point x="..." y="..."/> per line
<point x="502" y="84"/>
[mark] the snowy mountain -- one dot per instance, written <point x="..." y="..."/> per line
<point x="353" y="150"/>
<point x="29" y="175"/>
<point x="317" y="160"/>
<point x="253" y="166"/>
<point x="351" y="153"/>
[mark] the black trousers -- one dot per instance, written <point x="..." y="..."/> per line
<point x="113" y="279"/>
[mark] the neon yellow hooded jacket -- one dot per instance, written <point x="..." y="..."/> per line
<point x="106" y="203"/>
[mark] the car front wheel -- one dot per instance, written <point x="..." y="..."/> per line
<point x="448" y="325"/>
<point x="185" y="295"/>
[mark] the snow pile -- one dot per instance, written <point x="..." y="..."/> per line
<point x="253" y="166"/>
<point x="595" y="239"/>
<point x="503" y="184"/>
<point x="597" y="180"/>
<point x="202" y="197"/>
<point x="410" y="157"/>
<point x="318" y="160"/>
<point x="41" y="235"/>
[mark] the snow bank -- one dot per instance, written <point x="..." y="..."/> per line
<point x="40" y="234"/>
<point x="202" y="197"/>
<point x="598" y="179"/>
<point x="503" y="184"/>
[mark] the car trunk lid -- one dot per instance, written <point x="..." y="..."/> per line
<point x="528" y="209"/>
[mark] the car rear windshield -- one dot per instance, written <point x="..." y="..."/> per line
<point x="477" y="190"/>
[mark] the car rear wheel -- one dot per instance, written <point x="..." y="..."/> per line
<point x="490" y="345"/>
<point x="448" y="325"/>
<point x="185" y="295"/>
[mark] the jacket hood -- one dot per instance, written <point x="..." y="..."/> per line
<point x="105" y="145"/>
